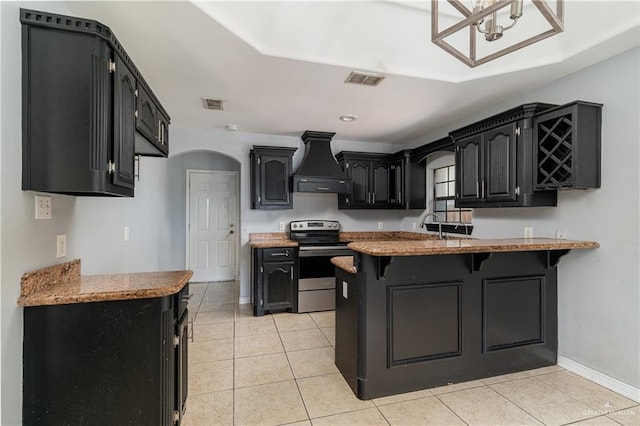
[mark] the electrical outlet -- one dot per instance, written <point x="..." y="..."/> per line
<point x="528" y="232"/>
<point x="282" y="226"/>
<point x="414" y="226"/>
<point x="380" y="225"/>
<point x="345" y="287"/>
<point x="561" y="234"/>
<point x="126" y="234"/>
<point x="43" y="207"/>
<point x="61" y="245"/>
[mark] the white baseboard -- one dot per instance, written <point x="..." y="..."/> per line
<point x="600" y="378"/>
<point x="244" y="300"/>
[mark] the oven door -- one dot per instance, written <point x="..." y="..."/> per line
<point x="316" y="283"/>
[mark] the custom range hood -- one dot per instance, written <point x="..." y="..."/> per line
<point x="319" y="170"/>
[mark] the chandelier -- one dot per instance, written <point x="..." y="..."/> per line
<point x="483" y="18"/>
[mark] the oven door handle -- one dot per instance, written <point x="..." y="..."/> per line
<point x="326" y="253"/>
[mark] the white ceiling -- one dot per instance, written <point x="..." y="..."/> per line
<point x="281" y="66"/>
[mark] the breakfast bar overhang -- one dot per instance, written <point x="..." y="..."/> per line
<point x="412" y="315"/>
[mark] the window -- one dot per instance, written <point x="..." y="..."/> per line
<point x="444" y="194"/>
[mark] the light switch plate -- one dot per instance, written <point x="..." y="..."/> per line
<point x="282" y="226"/>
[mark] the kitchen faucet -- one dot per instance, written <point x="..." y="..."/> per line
<point x="423" y="224"/>
<point x="466" y="229"/>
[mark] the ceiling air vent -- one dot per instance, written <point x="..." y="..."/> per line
<point x="362" y="78"/>
<point x="214" y="104"/>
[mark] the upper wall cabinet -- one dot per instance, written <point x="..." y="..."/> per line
<point x="567" y="146"/>
<point x="271" y="177"/>
<point x="86" y="109"/>
<point x="494" y="161"/>
<point x="370" y="175"/>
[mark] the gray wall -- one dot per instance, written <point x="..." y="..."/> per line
<point x="599" y="290"/>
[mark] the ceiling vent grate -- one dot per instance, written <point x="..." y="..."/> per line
<point x="214" y="104"/>
<point x="365" y="79"/>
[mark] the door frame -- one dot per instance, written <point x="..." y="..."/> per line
<point x="187" y="197"/>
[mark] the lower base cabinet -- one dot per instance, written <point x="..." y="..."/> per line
<point x="275" y="280"/>
<point x="106" y="363"/>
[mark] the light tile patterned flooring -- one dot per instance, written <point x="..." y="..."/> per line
<point x="279" y="369"/>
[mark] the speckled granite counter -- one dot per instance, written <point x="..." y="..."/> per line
<point x="460" y="246"/>
<point x="63" y="284"/>
<point x="345" y="263"/>
<point x="270" y="239"/>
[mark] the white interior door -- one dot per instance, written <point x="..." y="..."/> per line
<point x="212" y="225"/>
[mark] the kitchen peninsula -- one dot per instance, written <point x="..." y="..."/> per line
<point x="424" y="313"/>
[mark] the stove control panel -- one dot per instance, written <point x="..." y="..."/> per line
<point x="314" y="225"/>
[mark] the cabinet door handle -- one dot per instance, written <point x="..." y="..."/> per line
<point x="322" y="188"/>
<point x="483" y="193"/>
<point x="292" y="273"/>
<point x="286" y="253"/>
<point x="477" y="189"/>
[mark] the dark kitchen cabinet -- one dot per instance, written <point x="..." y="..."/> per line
<point x="275" y="280"/>
<point x="408" y="181"/>
<point x="152" y="123"/>
<point x="567" y="146"/>
<point x="494" y="161"/>
<point x="124" y="116"/>
<point x="79" y="107"/>
<point x="370" y="175"/>
<point x="106" y="363"/>
<point x="271" y="177"/>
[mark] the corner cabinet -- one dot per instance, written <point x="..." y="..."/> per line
<point x="275" y="280"/>
<point x="86" y="109"/>
<point x="112" y="363"/>
<point x="494" y="164"/>
<point x="271" y="177"/>
<point x="370" y="175"/>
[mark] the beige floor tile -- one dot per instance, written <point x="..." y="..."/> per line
<point x="257" y="345"/>
<point x="244" y="311"/>
<point x="627" y="417"/>
<point x="597" y="421"/>
<point x="271" y="404"/>
<point x="484" y="406"/>
<point x="408" y="396"/>
<point x="328" y="395"/>
<point x="422" y="411"/>
<point x="312" y="362"/>
<point x="505" y="377"/>
<point x="211" y="377"/>
<point x="215" y="408"/>
<point x="369" y="417"/>
<point x="255" y="326"/>
<point x="324" y="319"/>
<point x="330" y="334"/>
<point x="210" y="350"/>
<point x="221" y="330"/>
<point x="212" y="317"/>
<point x="544" y="370"/>
<point x="211" y="307"/>
<point x="293" y="322"/>
<point x="259" y="370"/>
<point x="303" y="339"/>
<point x="542" y="401"/>
<point x="454" y="387"/>
<point x="589" y="393"/>
<point x="302" y="423"/>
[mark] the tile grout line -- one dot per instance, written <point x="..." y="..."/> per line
<point x="516" y="404"/>
<point x="450" y="409"/>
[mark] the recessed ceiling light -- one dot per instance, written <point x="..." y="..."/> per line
<point x="231" y="127"/>
<point x="348" y="118"/>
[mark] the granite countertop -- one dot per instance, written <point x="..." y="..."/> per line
<point x="63" y="284"/>
<point x="345" y="263"/>
<point x="270" y="239"/>
<point x="460" y="246"/>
